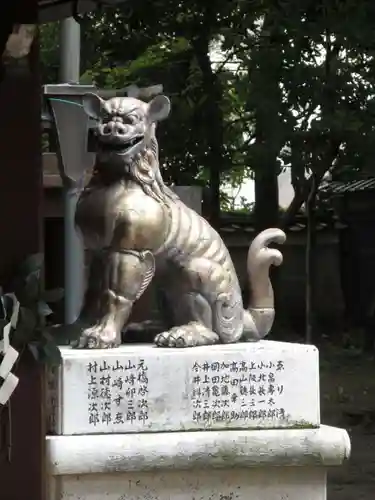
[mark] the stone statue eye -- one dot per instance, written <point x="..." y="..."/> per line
<point x="106" y="117"/>
<point x="131" y="119"/>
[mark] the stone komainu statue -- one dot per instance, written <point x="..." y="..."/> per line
<point x="136" y="228"/>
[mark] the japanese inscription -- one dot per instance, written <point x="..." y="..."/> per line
<point x="237" y="390"/>
<point x="117" y="392"/>
<point x="52" y="400"/>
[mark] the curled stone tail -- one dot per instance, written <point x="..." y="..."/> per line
<point x="259" y="317"/>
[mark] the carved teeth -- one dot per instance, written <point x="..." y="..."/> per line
<point x="133" y="141"/>
<point x="122" y="147"/>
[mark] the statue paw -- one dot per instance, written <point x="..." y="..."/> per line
<point x="178" y="336"/>
<point x="190" y="335"/>
<point x="98" y="337"/>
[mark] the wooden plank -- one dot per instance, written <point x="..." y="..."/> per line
<point x="22" y="470"/>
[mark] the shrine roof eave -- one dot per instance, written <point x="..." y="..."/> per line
<point x="55" y="10"/>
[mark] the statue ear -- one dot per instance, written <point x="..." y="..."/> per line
<point x="92" y="104"/>
<point x="159" y="108"/>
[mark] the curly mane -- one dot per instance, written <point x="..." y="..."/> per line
<point x="145" y="171"/>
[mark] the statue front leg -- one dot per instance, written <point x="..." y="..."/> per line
<point x="117" y="280"/>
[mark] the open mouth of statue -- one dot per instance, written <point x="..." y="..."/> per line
<point x="120" y="147"/>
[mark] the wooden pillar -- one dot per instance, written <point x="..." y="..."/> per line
<point x="22" y="456"/>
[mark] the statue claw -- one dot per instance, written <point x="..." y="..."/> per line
<point x="98" y="337"/>
<point x="189" y="335"/>
<point x="175" y="337"/>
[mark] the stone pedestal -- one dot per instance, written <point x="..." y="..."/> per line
<point x="208" y="423"/>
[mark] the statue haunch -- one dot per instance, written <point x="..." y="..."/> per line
<point x="136" y="229"/>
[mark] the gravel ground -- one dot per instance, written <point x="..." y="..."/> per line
<point x="348" y="401"/>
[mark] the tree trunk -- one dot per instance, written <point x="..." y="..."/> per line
<point x="215" y="127"/>
<point x="266" y="210"/>
<point x="310" y="263"/>
<point x="265" y="101"/>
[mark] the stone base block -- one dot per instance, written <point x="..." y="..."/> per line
<point x="224" y="465"/>
<point x="239" y="484"/>
<point x="141" y="388"/>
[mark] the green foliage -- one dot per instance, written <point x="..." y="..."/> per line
<point x="30" y="328"/>
<point x="49" y="52"/>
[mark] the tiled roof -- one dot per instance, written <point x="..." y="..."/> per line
<point x="339" y="187"/>
<point x="239" y="223"/>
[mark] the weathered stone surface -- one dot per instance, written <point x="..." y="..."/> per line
<point x="266" y="464"/>
<point x="278" y="483"/>
<point x="140" y="388"/>
<point x="160" y="452"/>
